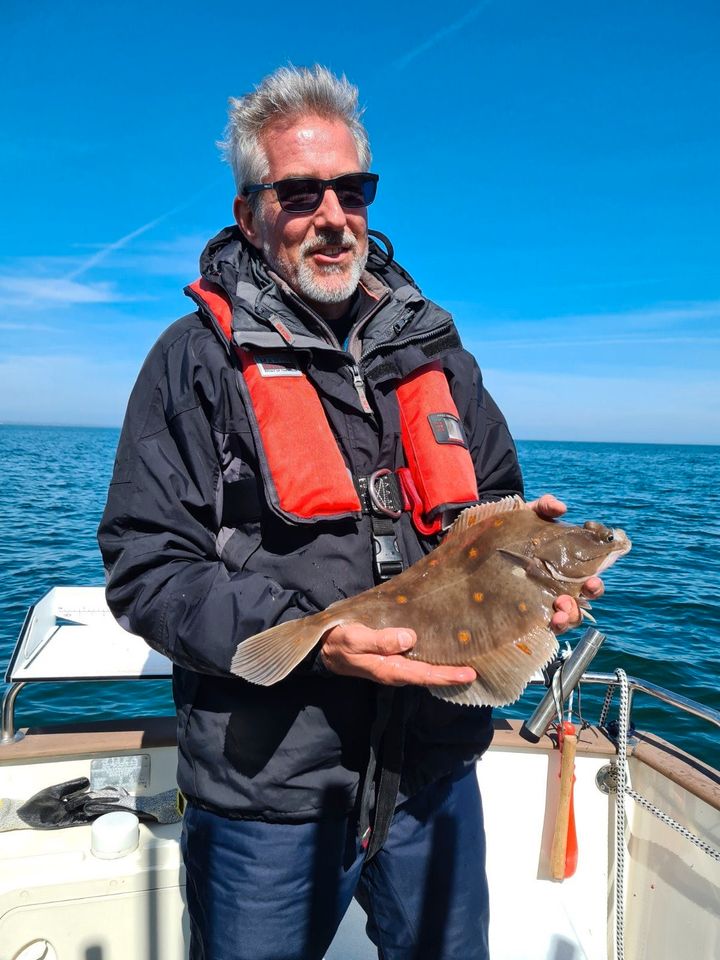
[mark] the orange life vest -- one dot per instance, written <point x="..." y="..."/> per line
<point x="306" y="473"/>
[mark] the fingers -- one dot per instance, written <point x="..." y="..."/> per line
<point x="356" y="638"/>
<point x="593" y="588"/>
<point x="358" y="651"/>
<point x="398" y="671"/>
<point x="548" y="506"/>
<point x="567" y="614"/>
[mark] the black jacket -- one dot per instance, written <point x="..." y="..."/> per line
<point x="197" y="560"/>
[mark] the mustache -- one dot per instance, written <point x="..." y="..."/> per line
<point x="329" y="238"/>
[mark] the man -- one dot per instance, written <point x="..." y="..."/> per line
<point x="256" y="482"/>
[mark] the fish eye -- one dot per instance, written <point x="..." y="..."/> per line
<point x="603" y="532"/>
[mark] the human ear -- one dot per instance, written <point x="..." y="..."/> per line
<point x="246" y="220"/>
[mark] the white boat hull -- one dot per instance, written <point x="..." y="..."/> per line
<point x="54" y="891"/>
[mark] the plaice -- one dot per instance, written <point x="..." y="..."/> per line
<point x="483" y="599"/>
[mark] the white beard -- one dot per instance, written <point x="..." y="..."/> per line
<point x="332" y="283"/>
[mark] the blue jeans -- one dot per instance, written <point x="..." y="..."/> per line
<point x="267" y="891"/>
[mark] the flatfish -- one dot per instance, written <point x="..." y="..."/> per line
<point x="483" y="599"/>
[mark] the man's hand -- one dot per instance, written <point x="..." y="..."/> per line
<point x="567" y="612"/>
<point x="354" y="650"/>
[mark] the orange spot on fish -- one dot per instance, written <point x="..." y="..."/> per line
<point x="478" y="597"/>
<point x="498" y="522"/>
<point x="433" y="562"/>
<point x="524" y="647"/>
<point x="464" y="636"/>
<point x="401" y="598"/>
<point x="522" y="607"/>
<point x="473" y="552"/>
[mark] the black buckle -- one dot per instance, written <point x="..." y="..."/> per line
<point x="388" y="561"/>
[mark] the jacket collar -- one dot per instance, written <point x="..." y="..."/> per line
<point x="267" y="313"/>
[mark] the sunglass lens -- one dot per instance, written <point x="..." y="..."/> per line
<point x="298" y="195"/>
<point x="355" y="190"/>
<point x="304" y="194"/>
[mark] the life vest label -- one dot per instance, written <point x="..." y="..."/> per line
<point x="446" y="428"/>
<point x="277" y="365"/>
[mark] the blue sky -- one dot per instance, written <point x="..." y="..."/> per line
<point x="549" y="172"/>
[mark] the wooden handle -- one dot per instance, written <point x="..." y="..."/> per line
<point x="567" y="772"/>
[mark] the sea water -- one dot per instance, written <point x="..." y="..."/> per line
<point x="661" y="611"/>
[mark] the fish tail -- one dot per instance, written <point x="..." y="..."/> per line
<point x="268" y="657"/>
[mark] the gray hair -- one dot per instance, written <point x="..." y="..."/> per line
<point x="288" y="93"/>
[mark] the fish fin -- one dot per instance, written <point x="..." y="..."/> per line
<point x="472" y="515"/>
<point x="534" y="568"/>
<point x="503" y="673"/>
<point x="268" y="657"/>
<point x="586" y="615"/>
<point x="527" y="563"/>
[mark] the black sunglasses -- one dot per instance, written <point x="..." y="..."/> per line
<point x="305" y="194"/>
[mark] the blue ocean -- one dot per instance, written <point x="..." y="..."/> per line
<point x="661" y="612"/>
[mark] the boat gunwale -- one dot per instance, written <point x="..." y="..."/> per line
<point x="143" y="733"/>
<point x="692" y="774"/>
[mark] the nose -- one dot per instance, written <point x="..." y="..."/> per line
<point x="330" y="214"/>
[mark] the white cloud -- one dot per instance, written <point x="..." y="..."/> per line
<point x="104" y="252"/>
<point x="31" y="282"/>
<point x="44" y="291"/>
<point x="176" y="258"/>
<point x="34" y="327"/>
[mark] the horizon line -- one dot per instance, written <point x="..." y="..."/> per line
<point x="517" y="439"/>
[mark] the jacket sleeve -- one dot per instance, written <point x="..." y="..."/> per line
<point x="165" y="581"/>
<point x="491" y="446"/>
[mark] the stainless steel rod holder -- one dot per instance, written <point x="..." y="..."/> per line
<point x="570" y="672"/>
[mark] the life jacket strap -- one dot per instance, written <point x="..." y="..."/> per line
<point x="382" y="502"/>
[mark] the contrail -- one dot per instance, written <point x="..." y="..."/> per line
<point x="403" y="61"/>
<point x="117" y="244"/>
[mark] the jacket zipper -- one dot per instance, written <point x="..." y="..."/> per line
<point x="359" y="385"/>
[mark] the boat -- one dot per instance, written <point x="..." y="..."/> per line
<point x="605" y="846"/>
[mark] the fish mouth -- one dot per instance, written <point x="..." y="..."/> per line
<point x="623" y="546"/>
<point x="556" y="575"/>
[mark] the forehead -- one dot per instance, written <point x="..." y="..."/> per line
<point x="310" y="146"/>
